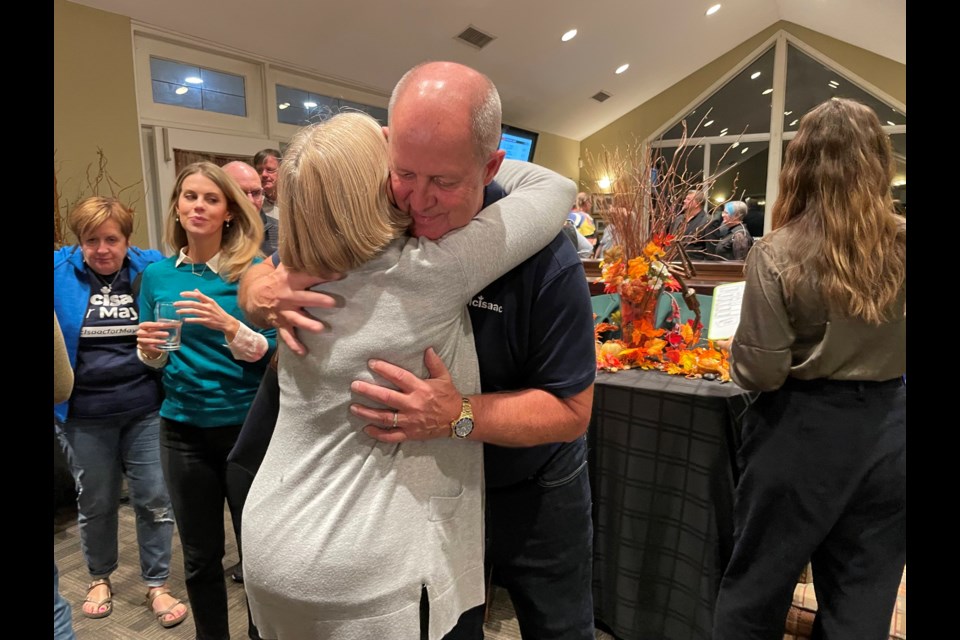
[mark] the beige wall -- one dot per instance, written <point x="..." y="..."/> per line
<point x="95" y="106"/>
<point x="558" y="154"/>
<point x="887" y="75"/>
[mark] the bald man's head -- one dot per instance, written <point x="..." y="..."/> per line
<point x="448" y="90"/>
<point x="247" y="179"/>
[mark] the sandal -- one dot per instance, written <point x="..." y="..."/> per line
<point x="155" y="592"/>
<point x="106" y="602"/>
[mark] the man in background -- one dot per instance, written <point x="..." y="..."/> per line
<point x="267" y="162"/>
<point x="248" y="180"/>
<point x="690" y="225"/>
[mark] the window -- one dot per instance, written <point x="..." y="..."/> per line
<point x="184" y="85"/>
<point x="734" y="126"/>
<point x="299" y="107"/>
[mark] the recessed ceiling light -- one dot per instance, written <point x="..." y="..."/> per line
<point x="622" y="68"/>
<point x="569" y="35"/>
<point x="834" y="84"/>
<point x="794" y="122"/>
<point x="712" y="10"/>
<point x="786" y="113"/>
<point x="309" y="105"/>
<point x="193" y="80"/>
<point x="767" y="91"/>
<point x="283" y="105"/>
<point x="891" y="123"/>
<point x="735" y="145"/>
<point x="723" y="132"/>
<point x="744" y="150"/>
<point x="708" y="123"/>
<point x="755" y="75"/>
<point x="181" y="90"/>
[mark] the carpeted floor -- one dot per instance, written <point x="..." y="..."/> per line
<point x="131" y="620"/>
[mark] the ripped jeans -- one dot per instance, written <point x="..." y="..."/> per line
<point x="100" y="452"/>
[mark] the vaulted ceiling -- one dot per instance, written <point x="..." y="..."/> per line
<point x="545" y="84"/>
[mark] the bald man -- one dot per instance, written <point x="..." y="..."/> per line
<point x="533" y="329"/>
<point x="249" y="180"/>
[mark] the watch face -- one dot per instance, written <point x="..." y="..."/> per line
<point x="464" y="427"/>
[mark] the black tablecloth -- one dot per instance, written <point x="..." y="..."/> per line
<point x="662" y="472"/>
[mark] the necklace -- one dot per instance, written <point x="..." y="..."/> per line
<point x="107" y="287"/>
<point x="193" y="268"/>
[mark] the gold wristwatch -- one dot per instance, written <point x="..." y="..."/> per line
<point x="462" y="426"/>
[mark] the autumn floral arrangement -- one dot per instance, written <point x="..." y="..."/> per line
<point x="645" y="260"/>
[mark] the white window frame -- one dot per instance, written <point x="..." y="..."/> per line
<point x="147" y="44"/>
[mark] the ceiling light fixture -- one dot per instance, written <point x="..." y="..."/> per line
<point x="794" y="122"/>
<point x="283" y="105"/>
<point x="708" y="123"/>
<point x="712" y="10"/>
<point x="719" y="198"/>
<point x="603" y="183"/>
<point x="181" y="90"/>
<point x="309" y="105"/>
<point x="786" y="113"/>
<point x="744" y="150"/>
<point x="755" y="75"/>
<point x="193" y="80"/>
<point x="569" y="35"/>
<point x="766" y="92"/>
<point x="723" y="131"/>
<point x="833" y="84"/>
<point x="622" y="68"/>
<point x="735" y="145"/>
<point x="891" y="124"/>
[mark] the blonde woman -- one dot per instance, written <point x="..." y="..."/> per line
<point x="109" y="429"/>
<point x="345" y="536"/>
<point x="823" y="335"/>
<point x="212" y="378"/>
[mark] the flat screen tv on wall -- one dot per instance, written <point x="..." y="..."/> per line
<point x="519" y="144"/>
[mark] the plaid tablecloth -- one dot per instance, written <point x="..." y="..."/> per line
<point x="662" y="473"/>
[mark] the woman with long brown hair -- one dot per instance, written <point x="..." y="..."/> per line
<point x="823" y="335"/>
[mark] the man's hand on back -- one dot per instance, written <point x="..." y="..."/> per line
<point x="276" y="297"/>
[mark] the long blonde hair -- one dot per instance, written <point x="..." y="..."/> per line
<point x="240" y="242"/>
<point x="835" y="197"/>
<point x="332" y="192"/>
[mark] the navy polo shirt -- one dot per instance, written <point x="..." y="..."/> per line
<point x="533" y="328"/>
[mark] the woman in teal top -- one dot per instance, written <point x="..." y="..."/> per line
<point x="210" y="381"/>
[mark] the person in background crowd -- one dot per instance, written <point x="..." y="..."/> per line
<point x="537" y="360"/>
<point x="212" y="378"/>
<point x="581" y="218"/>
<point x="691" y="225"/>
<point x="110" y="427"/>
<point x="822" y="335"/>
<point x="249" y="182"/>
<point x="733" y="240"/>
<point x="267" y="163"/>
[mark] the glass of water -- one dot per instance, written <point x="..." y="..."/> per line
<point x="167" y="314"/>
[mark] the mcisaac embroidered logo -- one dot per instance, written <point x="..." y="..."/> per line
<point x="480" y="303"/>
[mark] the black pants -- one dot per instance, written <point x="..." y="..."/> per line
<point x="194" y="463"/>
<point x="540" y="549"/>
<point x="823" y="480"/>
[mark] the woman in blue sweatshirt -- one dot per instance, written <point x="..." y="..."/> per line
<point x="211" y="379"/>
<point x="110" y="426"/>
